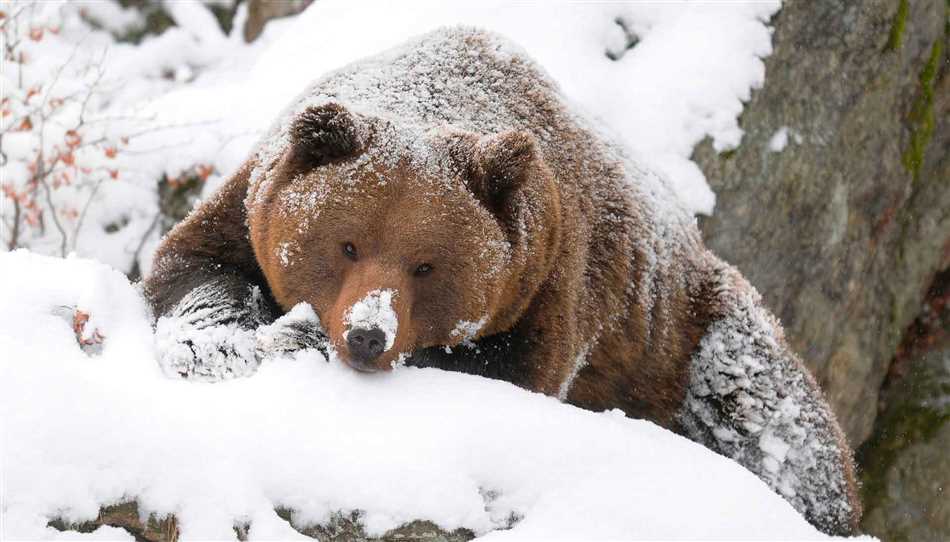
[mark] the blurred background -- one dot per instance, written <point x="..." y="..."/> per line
<point x="811" y="140"/>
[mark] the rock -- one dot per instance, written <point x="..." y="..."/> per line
<point x="261" y="11"/>
<point x="126" y="516"/>
<point x="905" y="466"/>
<point x="178" y="195"/>
<point x="155" y="20"/>
<point x="843" y="227"/>
<point x="341" y="528"/>
<point x="906" y="462"/>
<point x="347" y="528"/>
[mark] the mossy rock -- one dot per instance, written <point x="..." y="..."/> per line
<point x="906" y="463"/>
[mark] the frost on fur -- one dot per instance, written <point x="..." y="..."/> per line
<point x="299" y="329"/>
<point x="212" y="353"/>
<point x="208" y="335"/>
<point x="750" y="399"/>
<point x="211" y="336"/>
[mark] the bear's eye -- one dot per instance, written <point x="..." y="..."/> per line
<point x="349" y="250"/>
<point x="422" y="270"/>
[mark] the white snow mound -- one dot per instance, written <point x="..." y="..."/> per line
<point x="81" y="431"/>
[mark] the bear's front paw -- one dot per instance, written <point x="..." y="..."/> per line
<point x="210" y="353"/>
<point x="297" y="330"/>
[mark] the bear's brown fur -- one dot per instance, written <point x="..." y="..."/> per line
<point x="554" y="261"/>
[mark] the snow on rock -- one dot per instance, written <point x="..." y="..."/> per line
<point x="779" y="139"/>
<point x="375" y="310"/>
<point x="80" y="432"/>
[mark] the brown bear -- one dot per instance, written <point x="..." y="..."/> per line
<point x="444" y="205"/>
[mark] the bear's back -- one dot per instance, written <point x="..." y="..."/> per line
<point x="479" y="81"/>
<point x="464" y="77"/>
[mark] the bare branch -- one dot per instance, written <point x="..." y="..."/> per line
<point x="14" y="240"/>
<point x="100" y="72"/>
<point x="40" y="178"/>
<point x="145" y="236"/>
<point x="85" y="209"/>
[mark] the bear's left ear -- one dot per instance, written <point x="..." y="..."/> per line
<point x="501" y="163"/>
<point x="322" y="134"/>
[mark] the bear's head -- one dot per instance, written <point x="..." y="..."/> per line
<point x="402" y="238"/>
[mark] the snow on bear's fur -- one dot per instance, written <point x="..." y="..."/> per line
<point x="453" y="171"/>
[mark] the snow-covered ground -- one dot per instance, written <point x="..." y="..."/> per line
<point x="196" y="99"/>
<point x="81" y="430"/>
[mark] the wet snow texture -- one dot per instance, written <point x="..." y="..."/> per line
<point x="751" y="399"/>
<point x="80" y="432"/>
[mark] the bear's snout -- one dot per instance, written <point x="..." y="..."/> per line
<point x="366" y="334"/>
<point x="364" y="346"/>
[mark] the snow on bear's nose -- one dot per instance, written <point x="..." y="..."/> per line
<point x="371" y="314"/>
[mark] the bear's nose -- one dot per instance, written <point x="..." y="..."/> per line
<point x="365" y="345"/>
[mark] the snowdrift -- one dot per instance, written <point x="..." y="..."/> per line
<point x="84" y="428"/>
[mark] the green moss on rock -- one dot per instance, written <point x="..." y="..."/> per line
<point x="902" y="427"/>
<point x="921" y="117"/>
<point x="896" y="36"/>
<point x="896" y="484"/>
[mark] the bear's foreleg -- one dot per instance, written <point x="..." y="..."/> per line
<point x="225" y="326"/>
<point x="751" y="399"/>
<point x="215" y="316"/>
<point x="209" y="334"/>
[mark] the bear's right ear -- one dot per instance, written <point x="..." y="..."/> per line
<point x="322" y="134"/>
<point x="495" y="166"/>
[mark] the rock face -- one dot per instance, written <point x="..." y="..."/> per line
<point x="341" y="528"/>
<point x="842" y="225"/>
<point x="907" y="463"/>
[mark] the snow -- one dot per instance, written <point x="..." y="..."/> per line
<point x="374" y="311"/>
<point x="579" y="363"/>
<point x="84" y="431"/>
<point x="779" y="139"/>
<point x="468" y="330"/>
